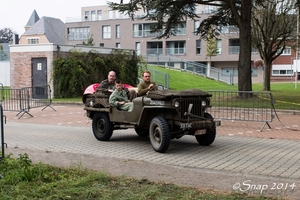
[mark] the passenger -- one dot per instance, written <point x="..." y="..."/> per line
<point x="146" y="86"/>
<point x="119" y="98"/>
<point x="108" y="85"/>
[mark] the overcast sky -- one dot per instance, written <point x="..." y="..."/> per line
<point x="15" y="14"/>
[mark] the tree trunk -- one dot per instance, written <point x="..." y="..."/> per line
<point x="244" y="65"/>
<point x="267" y="78"/>
<point x="208" y="68"/>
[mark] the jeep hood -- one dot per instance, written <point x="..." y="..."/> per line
<point x="170" y="94"/>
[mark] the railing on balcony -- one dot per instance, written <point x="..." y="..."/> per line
<point x="194" y="67"/>
<point x="180" y="31"/>
<point x="236" y="50"/>
<point x="78" y="36"/>
<point x="146" y="33"/>
<point x="233" y="49"/>
<point x="156" y="51"/>
<point x="175" y="51"/>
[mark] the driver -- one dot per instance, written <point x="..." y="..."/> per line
<point x="146" y="86"/>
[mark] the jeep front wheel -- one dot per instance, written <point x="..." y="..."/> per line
<point x="159" y="133"/>
<point x="209" y="137"/>
<point x="102" y="127"/>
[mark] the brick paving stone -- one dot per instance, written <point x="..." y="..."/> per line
<point x="240" y="151"/>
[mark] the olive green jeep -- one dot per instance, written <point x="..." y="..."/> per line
<point x="161" y="115"/>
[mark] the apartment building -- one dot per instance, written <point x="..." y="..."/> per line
<point x="111" y="29"/>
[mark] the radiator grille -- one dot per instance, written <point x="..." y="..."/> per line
<point x="184" y="105"/>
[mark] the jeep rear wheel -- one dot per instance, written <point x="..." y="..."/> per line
<point x="210" y="135"/>
<point x="159" y="134"/>
<point x="102" y="127"/>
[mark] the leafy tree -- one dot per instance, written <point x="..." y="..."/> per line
<point x="6" y="35"/>
<point x="90" y="41"/>
<point x="73" y="73"/>
<point x="169" y="14"/>
<point x="3" y="55"/>
<point x="211" y="50"/>
<point x="273" y="30"/>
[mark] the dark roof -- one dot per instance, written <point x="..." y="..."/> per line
<point x="52" y="28"/>
<point x="33" y="19"/>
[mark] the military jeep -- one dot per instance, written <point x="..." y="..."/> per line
<point x="161" y="115"/>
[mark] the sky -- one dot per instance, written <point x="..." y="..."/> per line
<point x="15" y="14"/>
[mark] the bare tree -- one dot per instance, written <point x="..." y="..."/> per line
<point x="211" y="50"/>
<point x="273" y="31"/>
<point x="169" y="14"/>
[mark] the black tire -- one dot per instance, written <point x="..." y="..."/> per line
<point x="159" y="134"/>
<point x="209" y="137"/>
<point x="141" y="132"/>
<point x="102" y="127"/>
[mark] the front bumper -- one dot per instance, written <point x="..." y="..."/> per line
<point x="204" y="124"/>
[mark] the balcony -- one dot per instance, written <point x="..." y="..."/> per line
<point x="175" y="51"/>
<point x="233" y="49"/>
<point x="78" y="36"/>
<point x="236" y="50"/>
<point x="146" y="33"/>
<point x="156" y="51"/>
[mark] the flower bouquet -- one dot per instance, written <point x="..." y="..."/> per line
<point x="258" y="63"/>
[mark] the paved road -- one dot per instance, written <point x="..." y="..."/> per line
<point x="240" y="156"/>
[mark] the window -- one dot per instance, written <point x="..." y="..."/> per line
<point x="198" y="47"/>
<point x="234" y="72"/>
<point x="110" y="14"/>
<point x="33" y="40"/>
<point x="282" y="72"/>
<point x="99" y="14"/>
<point x="137" y="30"/>
<point x="180" y="29"/>
<point x="176" y="48"/>
<point x="138" y="48"/>
<point x="93" y="15"/>
<point x="101" y="44"/>
<point x="118" y="33"/>
<point x="196" y="25"/>
<point x="80" y="33"/>
<point x="106" y="32"/>
<point x="286" y="51"/>
<point x="234" y="46"/>
<point x="86" y="15"/>
<point x="219" y="46"/>
<point x="118" y="45"/>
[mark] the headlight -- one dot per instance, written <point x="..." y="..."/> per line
<point x="177" y="104"/>
<point x="203" y="103"/>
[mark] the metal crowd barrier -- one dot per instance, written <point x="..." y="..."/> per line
<point x="242" y="105"/>
<point x="1" y="132"/>
<point x="24" y="99"/>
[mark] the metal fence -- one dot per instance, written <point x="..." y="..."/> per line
<point x="1" y="132"/>
<point x="242" y="105"/>
<point x="160" y="78"/>
<point x="190" y="66"/>
<point x="24" y="99"/>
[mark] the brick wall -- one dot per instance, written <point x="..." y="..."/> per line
<point x="21" y="67"/>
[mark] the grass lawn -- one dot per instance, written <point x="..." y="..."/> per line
<point x="286" y="96"/>
<point x="20" y="179"/>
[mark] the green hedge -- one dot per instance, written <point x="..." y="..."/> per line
<point x="72" y="74"/>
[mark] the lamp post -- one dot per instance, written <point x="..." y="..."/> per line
<point x="297" y="47"/>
